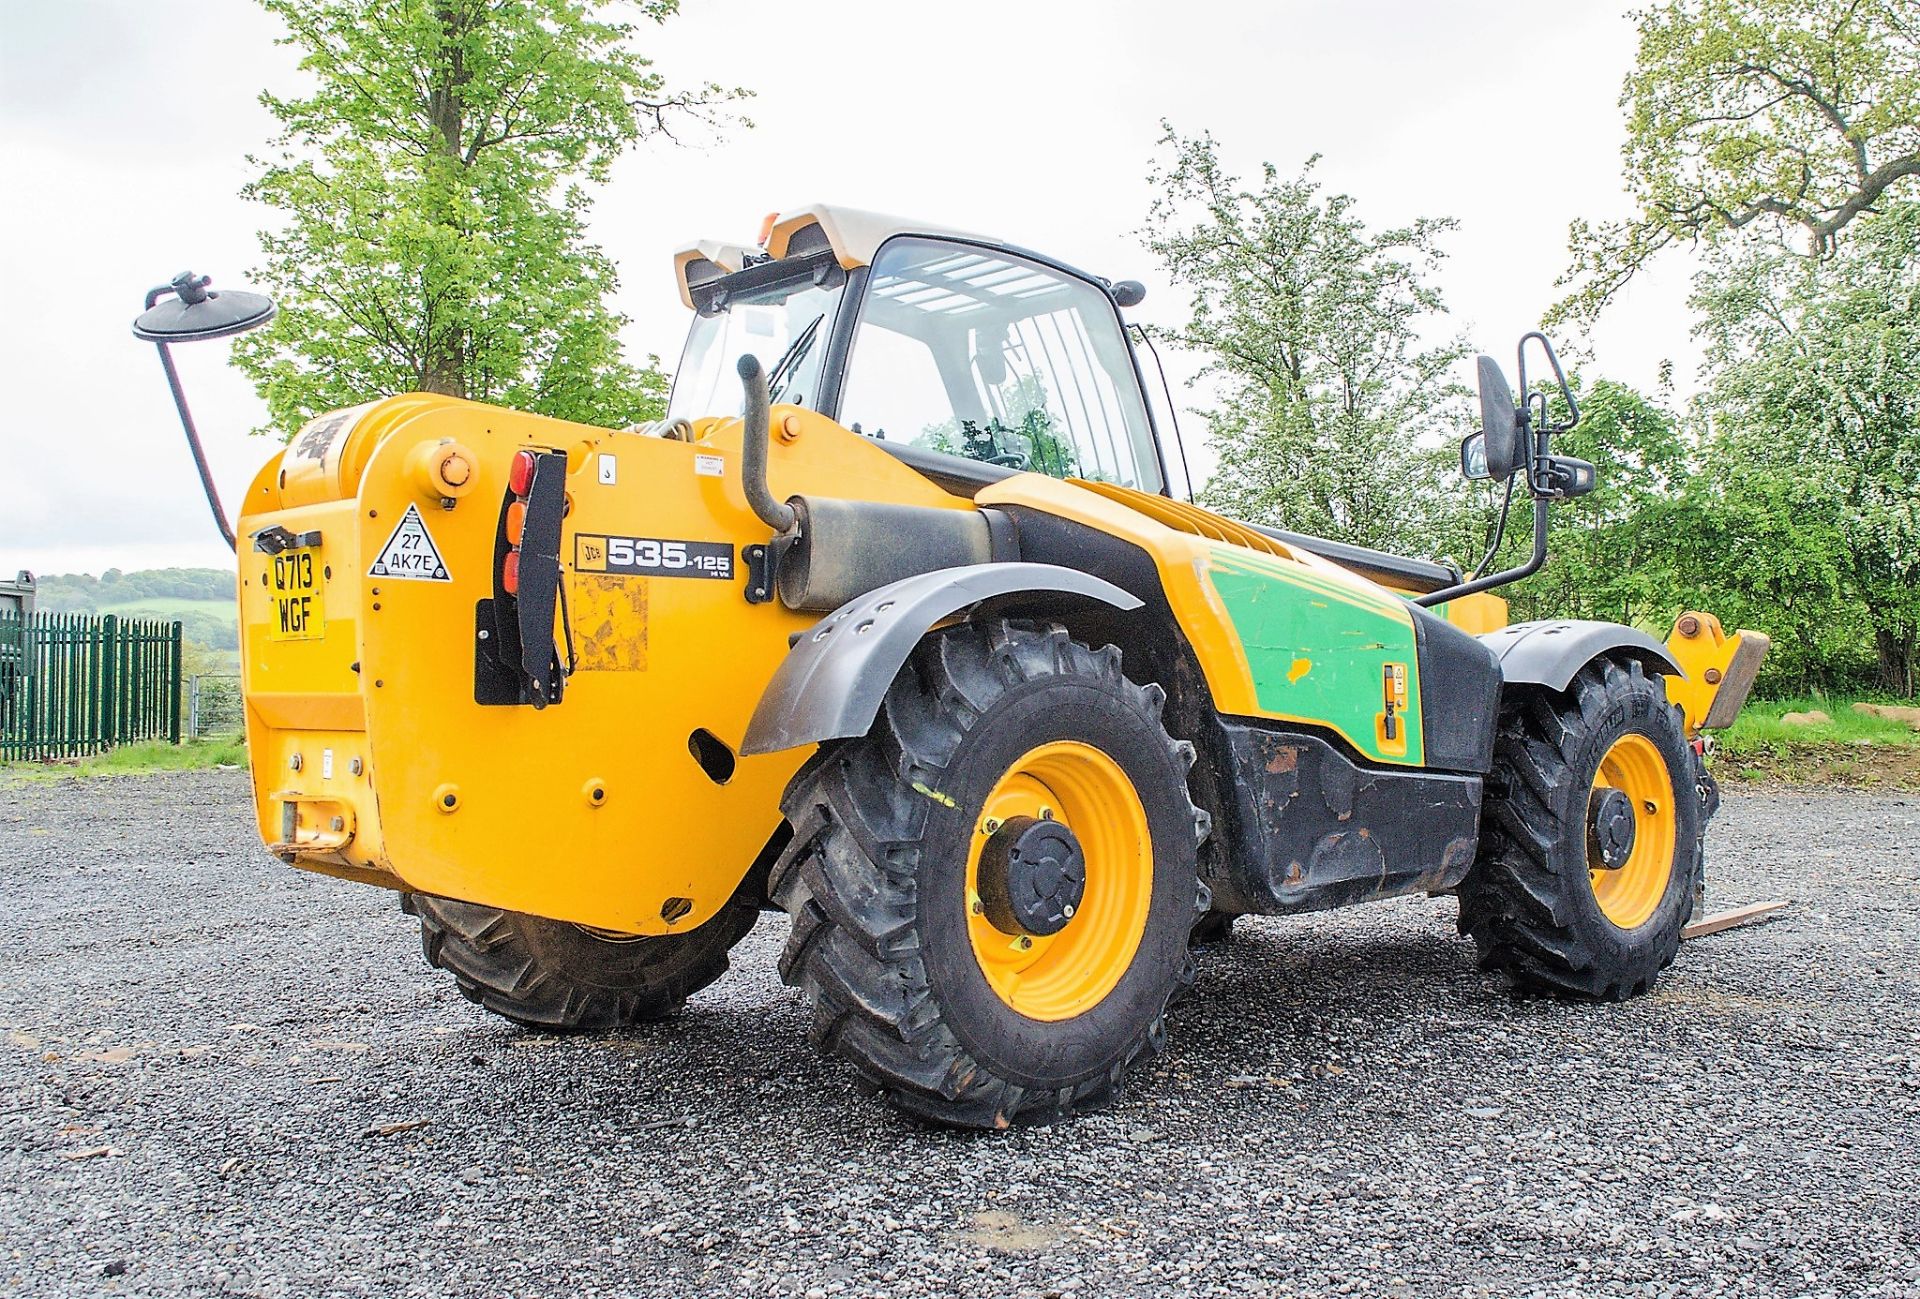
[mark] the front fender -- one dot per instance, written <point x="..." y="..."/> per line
<point x="1549" y="653"/>
<point x="832" y="682"/>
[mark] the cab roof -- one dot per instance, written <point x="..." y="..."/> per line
<point x="853" y="234"/>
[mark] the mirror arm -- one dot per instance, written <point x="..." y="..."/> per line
<point x="1533" y="565"/>
<point x="1560" y="377"/>
<point x="193" y="439"/>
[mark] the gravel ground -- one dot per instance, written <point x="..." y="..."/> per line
<point x="227" y="1077"/>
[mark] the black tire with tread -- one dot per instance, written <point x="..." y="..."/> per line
<point x="1528" y="902"/>
<point x="559" y="977"/>
<point x="869" y="880"/>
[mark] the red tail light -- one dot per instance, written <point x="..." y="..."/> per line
<point x="520" y="478"/>
<point x="510" y="573"/>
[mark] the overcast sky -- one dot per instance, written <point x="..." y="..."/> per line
<point x="125" y="125"/>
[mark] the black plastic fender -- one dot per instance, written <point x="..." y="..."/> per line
<point x="831" y="683"/>
<point x="1550" y="652"/>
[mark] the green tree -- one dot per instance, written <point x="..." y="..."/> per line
<point x="1335" y="403"/>
<point x="1757" y="544"/>
<point x="1788" y="118"/>
<point x="1815" y="396"/>
<point x="432" y="196"/>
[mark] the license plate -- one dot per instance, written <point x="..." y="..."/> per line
<point x="293" y="579"/>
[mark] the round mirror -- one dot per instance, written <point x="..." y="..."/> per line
<point x="196" y="312"/>
<point x="1499" y="423"/>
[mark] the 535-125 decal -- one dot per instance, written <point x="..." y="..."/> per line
<point x="653" y="557"/>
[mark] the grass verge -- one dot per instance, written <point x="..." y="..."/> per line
<point x="1850" y="748"/>
<point x="135" y="760"/>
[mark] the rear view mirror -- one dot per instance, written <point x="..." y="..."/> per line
<point x="1500" y="433"/>
<point x="185" y="310"/>
<point x="1473" y="456"/>
<point x="196" y="313"/>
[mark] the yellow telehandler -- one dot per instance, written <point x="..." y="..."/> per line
<point x="895" y="624"/>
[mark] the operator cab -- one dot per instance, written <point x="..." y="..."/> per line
<point x="966" y="358"/>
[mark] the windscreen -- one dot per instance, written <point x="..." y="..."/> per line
<point x="783" y="320"/>
<point x="981" y="353"/>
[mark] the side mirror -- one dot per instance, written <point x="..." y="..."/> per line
<point x="185" y="310"/>
<point x="1501" y="435"/>
<point x="196" y="313"/>
<point x="1473" y="456"/>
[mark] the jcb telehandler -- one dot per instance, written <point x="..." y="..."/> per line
<point x="921" y="650"/>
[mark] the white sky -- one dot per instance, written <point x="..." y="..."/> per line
<point x="125" y="124"/>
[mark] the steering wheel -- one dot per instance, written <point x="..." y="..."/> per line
<point x="1010" y="459"/>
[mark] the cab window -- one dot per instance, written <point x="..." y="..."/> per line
<point x="979" y="353"/>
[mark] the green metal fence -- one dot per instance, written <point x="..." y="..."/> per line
<point x="73" y="684"/>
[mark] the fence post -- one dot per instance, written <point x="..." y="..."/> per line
<point x="110" y="681"/>
<point x="173" y="694"/>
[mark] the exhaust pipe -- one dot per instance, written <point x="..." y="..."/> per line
<point x="755" y="420"/>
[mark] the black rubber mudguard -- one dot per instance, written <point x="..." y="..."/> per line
<point x="830" y="685"/>
<point x="1549" y="653"/>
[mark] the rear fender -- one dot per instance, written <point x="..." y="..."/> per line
<point x="831" y="684"/>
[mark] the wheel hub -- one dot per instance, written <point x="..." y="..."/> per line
<point x="1610" y="830"/>
<point x="1033" y="877"/>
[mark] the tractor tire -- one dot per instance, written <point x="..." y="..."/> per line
<point x="560" y="977"/>
<point x="1590" y="848"/>
<point x="905" y="869"/>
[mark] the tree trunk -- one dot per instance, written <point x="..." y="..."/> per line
<point x="443" y="373"/>
<point x="1896" y="649"/>
<point x="442" y="369"/>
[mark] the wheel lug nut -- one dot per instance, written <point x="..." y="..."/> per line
<point x="990" y="826"/>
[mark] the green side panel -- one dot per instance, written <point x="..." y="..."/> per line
<point x="1320" y="650"/>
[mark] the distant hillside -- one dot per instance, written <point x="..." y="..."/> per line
<point x="200" y="598"/>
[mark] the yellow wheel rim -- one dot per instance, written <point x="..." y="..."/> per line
<point x="1058" y="976"/>
<point x="1628" y="896"/>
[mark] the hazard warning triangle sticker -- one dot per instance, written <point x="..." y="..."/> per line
<point x="410" y="553"/>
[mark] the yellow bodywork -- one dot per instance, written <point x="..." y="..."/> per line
<point x="370" y="732"/>
<point x="373" y="761"/>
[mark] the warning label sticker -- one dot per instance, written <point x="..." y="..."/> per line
<point x="410" y="553"/>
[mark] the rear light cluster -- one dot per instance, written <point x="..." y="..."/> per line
<point x="520" y="480"/>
